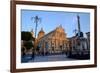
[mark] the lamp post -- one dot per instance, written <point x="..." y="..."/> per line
<point x="36" y="20"/>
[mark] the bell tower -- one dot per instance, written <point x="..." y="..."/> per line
<point x="41" y="33"/>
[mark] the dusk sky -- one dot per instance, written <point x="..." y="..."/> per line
<point x="52" y="19"/>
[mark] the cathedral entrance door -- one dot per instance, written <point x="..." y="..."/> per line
<point x="61" y="48"/>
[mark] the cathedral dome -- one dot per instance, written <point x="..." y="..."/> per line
<point x="32" y="32"/>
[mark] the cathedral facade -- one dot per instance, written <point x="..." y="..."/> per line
<point x="52" y="42"/>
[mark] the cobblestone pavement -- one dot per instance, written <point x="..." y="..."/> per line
<point x="59" y="57"/>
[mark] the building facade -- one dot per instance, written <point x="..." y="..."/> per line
<point x="79" y="44"/>
<point x="53" y="42"/>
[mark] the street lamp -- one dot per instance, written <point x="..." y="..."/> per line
<point x="36" y="20"/>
